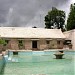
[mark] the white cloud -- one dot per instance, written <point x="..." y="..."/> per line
<point x="72" y="1"/>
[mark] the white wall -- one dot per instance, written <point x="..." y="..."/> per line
<point x="70" y="35"/>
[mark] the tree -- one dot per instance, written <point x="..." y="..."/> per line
<point x="71" y="18"/>
<point x="3" y="42"/>
<point x="55" y="19"/>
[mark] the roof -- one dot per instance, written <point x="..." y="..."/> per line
<point x="69" y="34"/>
<point x="22" y="32"/>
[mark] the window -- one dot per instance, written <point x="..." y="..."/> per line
<point x="20" y="41"/>
<point x="67" y="42"/>
<point x="58" y="42"/>
<point x="20" y="44"/>
<point x="47" y="42"/>
<point x="7" y="41"/>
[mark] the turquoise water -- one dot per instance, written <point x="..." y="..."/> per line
<point x="38" y="63"/>
<point x="2" y="65"/>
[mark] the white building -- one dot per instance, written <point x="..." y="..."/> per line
<point x="32" y="38"/>
<point x="70" y="35"/>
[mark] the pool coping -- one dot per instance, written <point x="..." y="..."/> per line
<point x="40" y="50"/>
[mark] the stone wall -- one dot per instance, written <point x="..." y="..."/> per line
<point x="41" y="44"/>
<point x="1" y="46"/>
<point x="13" y="44"/>
<point x="28" y="44"/>
<point x="60" y="46"/>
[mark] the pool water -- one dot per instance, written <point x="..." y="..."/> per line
<point x="38" y="63"/>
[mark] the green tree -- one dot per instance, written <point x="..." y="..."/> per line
<point x="2" y="41"/>
<point x="71" y="18"/>
<point x="55" y="19"/>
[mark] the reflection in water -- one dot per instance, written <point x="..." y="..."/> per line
<point x="14" y="58"/>
<point x="2" y="66"/>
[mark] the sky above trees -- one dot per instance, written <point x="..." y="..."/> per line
<point x="29" y="13"/>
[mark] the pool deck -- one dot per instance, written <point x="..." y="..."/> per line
<point x="41" y="50"/>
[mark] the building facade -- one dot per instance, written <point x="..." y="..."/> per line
<point x="70" y="36"/>
<point x="20" y="38"/>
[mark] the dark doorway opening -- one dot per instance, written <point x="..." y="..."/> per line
<point x="15" y="53"/>
<point x="34" y="44"/>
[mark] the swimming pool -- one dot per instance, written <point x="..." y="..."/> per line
<point x="38" y="63"/>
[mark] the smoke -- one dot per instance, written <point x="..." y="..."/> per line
<point x="28" y="12"/>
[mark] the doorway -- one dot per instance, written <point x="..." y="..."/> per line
<point x="34" y="44"/>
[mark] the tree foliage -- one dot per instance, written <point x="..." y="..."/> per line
<point x="55" y="19"/>
<point x="2" y="41"/>
<point x="71" y="18"/>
